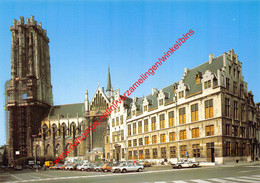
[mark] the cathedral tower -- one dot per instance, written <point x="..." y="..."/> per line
<point x="30" y="89"/>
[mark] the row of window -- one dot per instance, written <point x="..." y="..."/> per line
<point x="235" y="88"/>
<point x="182" y="136"/>
<point x="235" y="130"/>
<point x="115" y="121"/>
<point x="153" y="153"/>
<point x="182" y="118"/>
<point x="235" y="110"/>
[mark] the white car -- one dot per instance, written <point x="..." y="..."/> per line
<point x="128" y="168"/>
<point x="185" y="164"/>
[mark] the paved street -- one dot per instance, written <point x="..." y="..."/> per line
<point x="227" y="174"/>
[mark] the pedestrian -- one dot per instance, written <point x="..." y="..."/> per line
<point x="37" y="169"/>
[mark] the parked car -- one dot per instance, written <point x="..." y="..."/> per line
<point x="97" y="167"/>
<point x="185" y="164"/>
<point x="18" y="167"/>
<point x="62" y="167"/>
<point x="73" y="167"/>
<point x="145" y="163"/>
<point x="131" y="167"/>
<point x="107" y="167"/>
<point x="88" y="167"/>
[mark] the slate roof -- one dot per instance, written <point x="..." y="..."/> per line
<point x="189" y="80"/>
<point x="71" y="109"/>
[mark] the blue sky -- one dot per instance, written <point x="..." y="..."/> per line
<point x="86" y="37"/>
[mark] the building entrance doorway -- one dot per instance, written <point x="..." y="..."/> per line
<point x="210" y="152"/>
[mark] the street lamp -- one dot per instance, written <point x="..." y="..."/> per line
<point x="34" y="136"/>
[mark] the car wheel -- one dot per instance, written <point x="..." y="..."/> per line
<point x="140" y="169"/>
<point x="193" y="166"/>
<point x="97" y="170"/>
<point x="179" y="166"/>
<point x="124" y="171"/>
<point x="105" y="170"/>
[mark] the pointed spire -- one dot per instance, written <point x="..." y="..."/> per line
<point x="109" y="86"/>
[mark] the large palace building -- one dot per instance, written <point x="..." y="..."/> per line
<point x="209" y="115"/>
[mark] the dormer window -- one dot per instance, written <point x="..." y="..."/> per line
<point x="160" y="102"/>
<point x="174" y="89"/>
<point x="198" y="77"/>
<point x="181" y="94"/>
<point x="145" y="108"/>
<point x="133" y="112"/>
<point x="207" y="84"/>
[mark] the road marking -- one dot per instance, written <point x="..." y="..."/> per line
<point x="244" y="171"/>
<point x="161" y="182"/>
<point x="220" y="180"/>
<point x="179" y="181"/>
<point x="241" y="180"/>
<point x="200" y="181"/>
<point x="245" y="177"/>
<point x="15" y="176"/>
<point x="256" y="175"/>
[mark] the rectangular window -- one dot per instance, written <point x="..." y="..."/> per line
<point x="241" y="93"/>
<point x="210" y="130"/>
<point x="135" y="142"/>
<point x="140" y="141"/>
<point x="183" y="150"/>
<point x="236" y="110"/>
<point x="130" y="155"/>
<point x="182" y="116"/>
<point x="243" y="131"/>
<point x="243" y="152"/>
<point x="146" y="140"/>
<point x="227" y="84"/>
<point x="141" y="154"/>
<point x="227" y="107"/>
<point x="209" y="108"/>
<point x="121" y="119"/>
<point x="129" y="143"/>
<point x="118" y="109"/>
<point x="155" y="154"/>
<point x="195" y="133"/>
<point x="162" y="138"/>
<point x="129" y="130"/>
<point x="228" y="149"/>
<point x="236" y="149"/>
<point x="160" y="102"/>
<point x="146" y="125"/>
<point x="134" y="128"/>
<point x="171" y="118"/>
<point x="172" y="136"/>
<point x="114" y="136"/>
<point x="228" y="130"/>
<point x="123" y="153"/>
<point x="181" y="94"/>
<point x="194" y="112"/>
<point x="147" y="154"/>
<point x="133" y="112"/>
<point x="182" y="134"/>
<point x="172" y="152"/>
<point x="153" y="123"/>
<point x="235" y="87"/>
<point x="154" y="139"/>
<point x="135" y="154"/>
<point x="113" y="122"/>
<point x="235" y="130"/>
<point x="197" y="80"/>
<point x="196" y="150"/>
<point x="122" y="134"/>
<point x="162" y="121"/>
<point x="230" y="70"/>
<point x="117" y="121"/>
<point x="207" y="84"/>
<point x="163" y="152"/>
<point x="140" y="127"/>
<point x="145" y="108"/>
<point x="243" y="113"/>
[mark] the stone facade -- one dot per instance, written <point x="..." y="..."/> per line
<point x="208" y="115"/>
<point x="29" y="90"/>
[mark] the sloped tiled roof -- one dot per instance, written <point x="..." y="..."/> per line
<point x="71" y="109"/>
<point x="189" y="80"/>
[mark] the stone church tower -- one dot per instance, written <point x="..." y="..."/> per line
<point x="30" y="89"/>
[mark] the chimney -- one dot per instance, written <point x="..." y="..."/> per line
<point x="211" y="57"/>
<point x="154" y="91"/>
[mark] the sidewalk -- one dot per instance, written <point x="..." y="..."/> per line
<point x="234" y="164"/>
